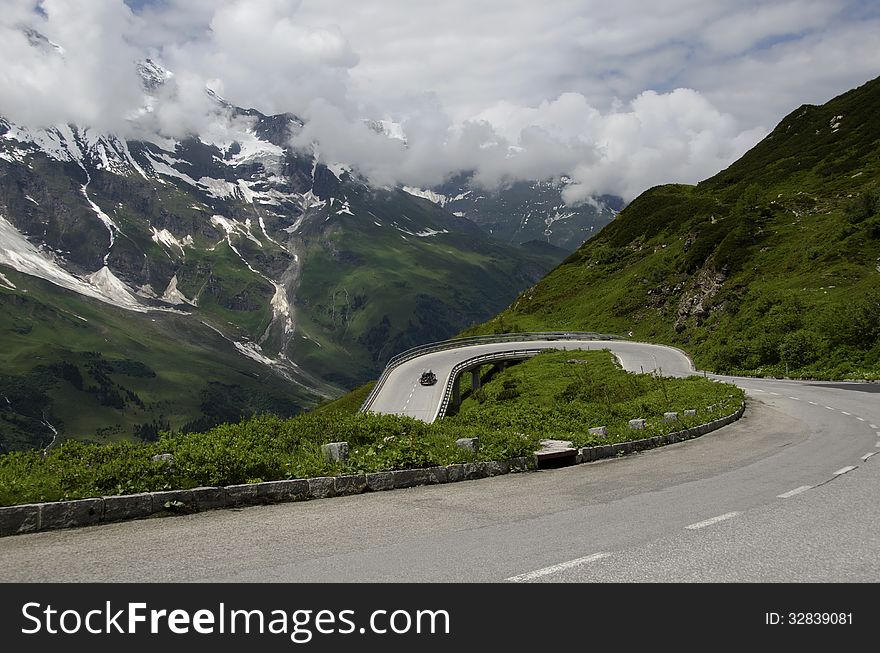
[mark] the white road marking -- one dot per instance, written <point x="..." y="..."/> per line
<point x="546" y="571"/>
<point x="775" y="394"/>
<point x="795" y="398"/>
<point x="844" y="470"/>
<point x="713" y="520"/>
<point x="861" y="419"/>
<point x="873" y="426"/>
<point x="868" y="455"/>
<point x="829" y="407"/>
<point x="797" y="490"/>
<point x="756" y="390"/>
<point x="813" y="403"/>
<point x="845" y="413"/>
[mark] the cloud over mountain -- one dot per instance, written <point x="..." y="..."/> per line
<point x="618" y="98"/>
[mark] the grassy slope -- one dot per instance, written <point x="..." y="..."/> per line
<point x="166" y="363"/>
<point x="770" y="267"/>
<point x="369" y="291"/>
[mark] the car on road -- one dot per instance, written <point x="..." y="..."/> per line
<point x="428" y="378"/>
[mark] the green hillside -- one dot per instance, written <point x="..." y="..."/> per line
<point x="84" y="369"/>
<point x="770" y="267"/>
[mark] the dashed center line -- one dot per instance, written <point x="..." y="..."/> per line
<point x="813" y="403"/>
<point x="844" y="470"/>
<point x="713" y="520"/>
<point x="845" y="413"/>
<point x="795" y="398"/>
<point x="873" y="426"/>
<point x="829" y="407"/>
<point x="775" y="394"/>
<point x="546" y="571"/>
<point x="796" y="491"/>
<point x="868" y="455"/>
<point x="861" y="419"/>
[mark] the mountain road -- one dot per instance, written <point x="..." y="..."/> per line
<point x="787" y="493"/>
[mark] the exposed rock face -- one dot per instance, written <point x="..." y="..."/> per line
<point x="706" y="285"/>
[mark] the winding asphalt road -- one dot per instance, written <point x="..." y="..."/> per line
<point x="787" y="493"/>
<point x="402" y="394"/>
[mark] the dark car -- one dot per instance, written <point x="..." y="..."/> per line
<point x="428" y="378"/>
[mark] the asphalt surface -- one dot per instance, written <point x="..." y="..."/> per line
<point x="402" y="394"/>
<point x="784" y="494"/>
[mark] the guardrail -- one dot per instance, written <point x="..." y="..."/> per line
<point x="516" y="354"/>
<point x="456" y="343"/>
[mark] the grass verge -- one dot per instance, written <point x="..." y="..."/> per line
<point x="546" y="397"/>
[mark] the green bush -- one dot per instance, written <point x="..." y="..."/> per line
<point x="546" y="397"/>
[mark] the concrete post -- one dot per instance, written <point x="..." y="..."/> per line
<point x="475" y="380"/>
<point x="456" y="391"/>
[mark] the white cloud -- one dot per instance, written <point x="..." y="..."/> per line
<point x="620" y="95"/>
<point x="90" y="81"/>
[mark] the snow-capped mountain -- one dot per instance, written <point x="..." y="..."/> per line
<point x="525" y="210"/>
<point x="242" y="274"/>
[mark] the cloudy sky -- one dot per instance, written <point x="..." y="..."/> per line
<point x="617" y="95"/>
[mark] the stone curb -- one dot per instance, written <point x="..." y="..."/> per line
<point x="34" y="517"/>
<point x="589" y="454"/>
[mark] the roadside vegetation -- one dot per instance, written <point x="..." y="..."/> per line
<point x="546" y="397"/>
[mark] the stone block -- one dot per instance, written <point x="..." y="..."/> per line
<point x="322" y="487"/>
<point x="437" y="475"/>
<point x="350" y="484"/>
<point x="454" y="473"/>
<point x="599" y="431"/>
<point x="209" y="498"/>
<point x="70" y="514"/>
<point x="245" y="494"/>
<point x="517" y="464"/>
<point x="471" y="444"/>
<point x="377" y="481"/>
<point x="335" y="452"/>
<point x="474" y="471"/>
<point x="637" y="424"/>
<point x="19" y="519"/>
<point x="497" y="467"/>
<point x="128" y="506"/>
<point x="671" y="417"/>
<point x="404" y="478"/>
<point x="174" y="502"/>
<point x="690" y="412"/>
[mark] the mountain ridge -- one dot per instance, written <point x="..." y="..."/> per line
<point x="770" y="267"/>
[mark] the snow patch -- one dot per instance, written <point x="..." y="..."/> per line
<point x="431" y="196"/>
<point x="173" y="296"/>
<point x="6" y="283"/>
<point x="345" y="209"/>
<point x="165" y="237"/>
<point x="234" y="227"/>
<point x="338" y="169"/>
<point x="253" y="351"/>
<point x="281" y="307"/>
<point x="20" y="254"/>
<point x="425" y="233"/>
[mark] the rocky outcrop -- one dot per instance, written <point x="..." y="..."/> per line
<point x="694" y="300"/>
